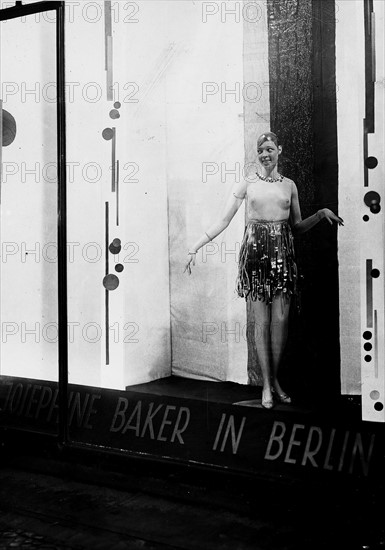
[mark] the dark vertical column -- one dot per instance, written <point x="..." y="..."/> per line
<point x="369" y="65"/>
<point x="324" y="310"/>
<point x="291" y="90"/>
<point x="1" y="147"/>
<point x="303" y="114"/>
<point x="370" y="77"/>
<point x="107" y="295"/>
<point x="62" y="226"/>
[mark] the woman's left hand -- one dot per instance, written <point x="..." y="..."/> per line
<point x="331" y="217"/>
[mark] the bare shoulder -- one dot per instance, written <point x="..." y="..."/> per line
<point x="249" y="175"/>
<point x="291" y="184"/>
<point x="240" y="188"/>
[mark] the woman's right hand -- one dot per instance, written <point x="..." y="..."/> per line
<point x="188" y="265"/>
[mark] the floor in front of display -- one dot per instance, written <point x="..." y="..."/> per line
<point x="69" y="508"/>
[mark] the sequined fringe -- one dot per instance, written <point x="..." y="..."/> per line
<point x="267" y="261"/>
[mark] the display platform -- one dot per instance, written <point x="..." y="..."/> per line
<point x="220" y="425"/>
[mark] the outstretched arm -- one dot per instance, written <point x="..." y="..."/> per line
<point x="232" y="205"/>
<point x="301" y="226"/>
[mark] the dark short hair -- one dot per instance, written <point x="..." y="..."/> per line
<point x="267" y="136"/>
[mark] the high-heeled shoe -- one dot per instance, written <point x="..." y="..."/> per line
<point x="267" y="403"/>
<point x="282" y="397"/>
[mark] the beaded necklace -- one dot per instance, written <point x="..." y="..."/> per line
<point x="270" y="180"/>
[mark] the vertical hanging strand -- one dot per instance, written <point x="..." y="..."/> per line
<point x="1" y="145"/>
<point x="107" y="305"/>
<point x="113" y="161"/>
<point x="108" y="48"/>
<point x="117" y="192"/>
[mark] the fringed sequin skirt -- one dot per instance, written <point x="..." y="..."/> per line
<point x="267" y="261"/>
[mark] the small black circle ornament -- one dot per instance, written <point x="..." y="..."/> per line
<point x="9" y="128"/>
<point x="108" y="134"/>
<point x="111" y="282"/>
<point x="371" y="162"/>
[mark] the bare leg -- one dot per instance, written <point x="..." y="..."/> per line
<point x="279" y="330"/>
<point x="261" y="318"/>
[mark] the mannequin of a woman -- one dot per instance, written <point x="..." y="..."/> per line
<point x="267" y="275"/>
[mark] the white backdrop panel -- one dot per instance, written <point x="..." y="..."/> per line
<point x="350" y="75"/>
<point x="28" y="210"/>
<point x="207" y="317"/>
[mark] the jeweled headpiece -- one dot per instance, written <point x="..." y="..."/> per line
<point x="267" y="136"/>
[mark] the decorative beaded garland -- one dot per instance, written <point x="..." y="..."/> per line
<point x="270" y="180"/>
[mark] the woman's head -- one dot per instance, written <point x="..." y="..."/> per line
<point x="268" y="150"/>
<point x="267" y="136"/>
